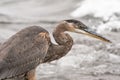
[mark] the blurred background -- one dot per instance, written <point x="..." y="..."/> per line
<point x="89" y="59"/>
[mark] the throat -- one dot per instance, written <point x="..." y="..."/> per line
<point x="64" y="45"/>
<point x="61" y="49"/>
<point x="63" y="39"/>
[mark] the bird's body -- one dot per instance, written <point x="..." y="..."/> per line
<point x="24" y="51"/>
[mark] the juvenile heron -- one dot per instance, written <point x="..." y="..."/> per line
<point x="24" y="51"/>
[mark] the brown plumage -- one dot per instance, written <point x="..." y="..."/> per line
<point x="24" y="51"/>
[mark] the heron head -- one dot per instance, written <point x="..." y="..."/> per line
<point x="78" y="27"/>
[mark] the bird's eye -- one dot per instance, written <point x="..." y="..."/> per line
<point x="82" y="26"/>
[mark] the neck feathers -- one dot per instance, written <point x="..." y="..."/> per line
<point x="64" y="41"/>
<point x="62" y="38"/>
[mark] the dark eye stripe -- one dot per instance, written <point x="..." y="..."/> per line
<point x="78" y="23"/>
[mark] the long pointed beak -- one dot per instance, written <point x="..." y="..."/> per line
<point x="91" y="33"/>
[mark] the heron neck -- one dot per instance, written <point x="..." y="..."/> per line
<point x="62" y="38"/>
<point x="64" y="45"/>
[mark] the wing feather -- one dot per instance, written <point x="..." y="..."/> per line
<point x="22" y="52"/>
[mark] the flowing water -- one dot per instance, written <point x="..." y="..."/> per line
<point x="89" y="59"/>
